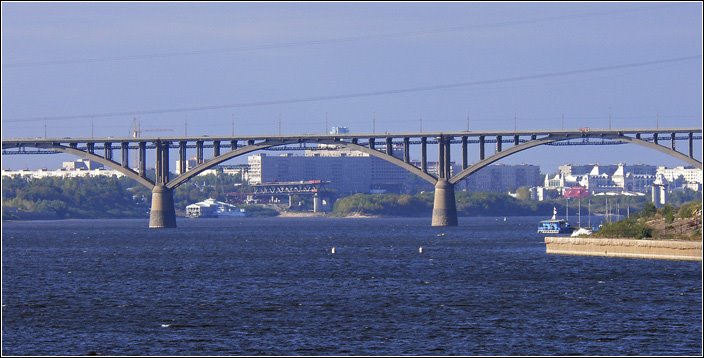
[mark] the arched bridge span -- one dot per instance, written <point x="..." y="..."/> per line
<point x="275" y="143"/>
<point x="383" y="146"/>
<point x="557" y="138"/>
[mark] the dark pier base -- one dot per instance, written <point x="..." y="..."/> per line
<point x="163" y="213"/>
<point x="444" y="208"/>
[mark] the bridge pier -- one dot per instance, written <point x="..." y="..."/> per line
<point x="444" y="207"/>
<point x="316" y="203"/>
<point x="163" y="213"/>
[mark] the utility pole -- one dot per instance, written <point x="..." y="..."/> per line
<point x="233" y="124"/>
<point x="608" y="217"/>
<point x="579" y="212"/>
<point x="45" y="129"/>
<point x="467" y="121"/>
<point x="609" y="118"/>
<point x="374" y="122"/>
<point x="421" y="122"/>
<point x="563" y="121"/>
<point x="589" y="208"/>
<point x="657" y="121"/>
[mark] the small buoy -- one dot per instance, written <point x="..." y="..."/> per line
<point x="333" y="250"/>
<point x="420" y="249"/>
<point x="504" y="218"/>
<point x="441" y="234"/>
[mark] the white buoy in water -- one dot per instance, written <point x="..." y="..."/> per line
<point x="420" y="249"/>
<point x="333" y="250"/>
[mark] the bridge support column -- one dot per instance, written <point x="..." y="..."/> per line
<point x="316" y="203"/>
<point x="407" y="150"/>
<point x="444" y="208"/>
<point x="481" y="147"/>
<point x="423" y="155"/>
<point x="464" y="152"/>
<point x="163" y="213"/>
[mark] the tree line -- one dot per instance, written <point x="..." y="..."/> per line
<point x="112" y="197"/>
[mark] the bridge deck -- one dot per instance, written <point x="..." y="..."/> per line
<point x="587" y="132"/>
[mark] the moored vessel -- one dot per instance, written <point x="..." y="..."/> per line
<point x="555" y="225"/>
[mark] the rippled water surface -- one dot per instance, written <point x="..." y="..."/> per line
<point x="273" y="287"/>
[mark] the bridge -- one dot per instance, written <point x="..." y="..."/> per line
<point x="162" y="214"/>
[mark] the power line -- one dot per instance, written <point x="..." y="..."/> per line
<point x="328" y="41"/>
<point x="359" y="94"/>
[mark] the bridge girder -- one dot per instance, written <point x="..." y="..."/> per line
<point x="354" y="144"/>
<point x="350" y="143"/>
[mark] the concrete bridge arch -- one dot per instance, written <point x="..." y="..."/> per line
<point x="557" y="138"/>
<point x="444" y="211"/>
<point x="181" y="179"/>
<point x="143" y="180"/>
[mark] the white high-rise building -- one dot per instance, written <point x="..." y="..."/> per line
<point x="681" y="177"/>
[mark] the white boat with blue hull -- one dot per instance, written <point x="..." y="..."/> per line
<point x="555" y="225"/>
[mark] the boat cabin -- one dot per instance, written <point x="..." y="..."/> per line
<point x="554" y="226"/>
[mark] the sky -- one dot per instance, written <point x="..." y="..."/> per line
<point x="84" y="69"/>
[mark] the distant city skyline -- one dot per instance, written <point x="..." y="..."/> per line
<point x="82" y="69"/>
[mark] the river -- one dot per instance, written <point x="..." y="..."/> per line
<point x="272" y="286"/>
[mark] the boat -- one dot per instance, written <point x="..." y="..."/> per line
<point x="559" y="226"/>
<point x="203" y="209"/>
<point x="226" y="211"/>
<point x="211" y="208"/>
<point x="555" y="225"/>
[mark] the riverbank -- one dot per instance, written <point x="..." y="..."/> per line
<point x="630" y="248"/>
<point x="300" y="214"/>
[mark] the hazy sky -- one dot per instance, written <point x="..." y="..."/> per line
<point x="367" y="66"/>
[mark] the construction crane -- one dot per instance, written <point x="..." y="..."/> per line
<point x="136" y="131"/>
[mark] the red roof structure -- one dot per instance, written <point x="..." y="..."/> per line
<point x="576" y="192"/>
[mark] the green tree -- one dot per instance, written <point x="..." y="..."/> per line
<point x="668" y="213"/>
<point x="523" y="193"/>
<point x="648" y="210"/>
